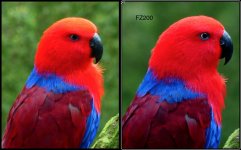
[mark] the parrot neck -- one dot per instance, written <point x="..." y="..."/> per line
<point x="214" y="85"/>
<point x="91" y="78"/>
<point x="208" y="82"/>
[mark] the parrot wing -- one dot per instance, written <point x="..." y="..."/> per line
<point x="40" y="118"/>
<point x="151" y="123"/>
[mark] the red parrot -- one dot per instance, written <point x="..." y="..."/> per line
<point x="181" y="98"/>
<point x="60" y="104"/>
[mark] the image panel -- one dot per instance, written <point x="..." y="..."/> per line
<point x="60" y="66"/>
<point x="180" y="74"/>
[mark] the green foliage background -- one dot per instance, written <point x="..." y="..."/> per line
<point x="139" y="37"/>
<point x="22" y="27"/>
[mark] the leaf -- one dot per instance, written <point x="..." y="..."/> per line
<point x="233" y="140"/>
<point x="109" y="136"/>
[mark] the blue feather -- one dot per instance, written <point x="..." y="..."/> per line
<point x="92" y="125"/>
<point x="50" y="82"/>
<point x="170" y="89"/>
<point x="213" y="133"/>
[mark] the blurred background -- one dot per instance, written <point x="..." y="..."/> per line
<point x="139" y="37"/>
<point x="22" y="27"/>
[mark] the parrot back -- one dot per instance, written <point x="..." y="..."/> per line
<point x="49" y="113"/>
<point x="165" y="110"/>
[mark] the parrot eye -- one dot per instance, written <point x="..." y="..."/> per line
<point x="204" y="36"/>
<point x="74" y="37"/>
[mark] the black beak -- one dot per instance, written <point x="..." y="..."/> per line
<point x="227" y="47"/>
<point x="97" y="48"/>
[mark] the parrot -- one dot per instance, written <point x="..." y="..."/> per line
<point x="60" y="103"/>
<point x="179" y="102"/>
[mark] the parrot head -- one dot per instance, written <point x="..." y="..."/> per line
<point x="191" y="45"/>
<point x="68" y="44"/>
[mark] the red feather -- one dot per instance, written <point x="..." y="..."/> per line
<point x="43" y="119"/>
<point x="70" y="60"/>
<point x="149" y="123"/>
